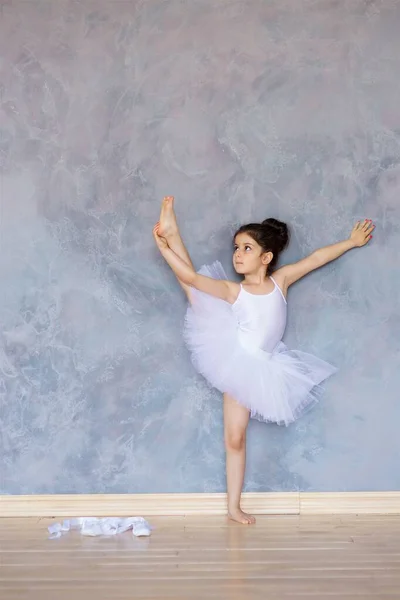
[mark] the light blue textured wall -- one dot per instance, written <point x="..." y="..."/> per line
<point x="242" y="110"/>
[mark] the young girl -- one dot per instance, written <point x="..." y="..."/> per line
<point x="234" y="331"/>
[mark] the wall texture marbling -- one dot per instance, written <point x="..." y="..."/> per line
<point x="242" y="110"/>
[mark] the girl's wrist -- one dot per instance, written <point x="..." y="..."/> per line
<point x="351" y="244"/>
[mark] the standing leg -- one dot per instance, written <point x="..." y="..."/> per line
<point x="236" y="419"/>
<point x="170" y="231"/>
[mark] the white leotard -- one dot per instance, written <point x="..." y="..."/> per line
<point x="261" y="318"/>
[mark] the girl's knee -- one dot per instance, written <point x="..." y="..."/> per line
<point x="235" y="440"/>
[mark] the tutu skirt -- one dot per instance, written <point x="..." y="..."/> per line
<point x="275" y="387"/>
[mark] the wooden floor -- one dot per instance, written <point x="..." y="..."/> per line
<point x="197" y="559"/>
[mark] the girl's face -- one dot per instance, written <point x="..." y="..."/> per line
<point x="248" y="256"/>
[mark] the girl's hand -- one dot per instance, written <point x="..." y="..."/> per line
<point x="361" y="233"/>
<point x="160" y="241"/>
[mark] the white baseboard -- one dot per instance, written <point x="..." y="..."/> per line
<point x="259" y="503"/>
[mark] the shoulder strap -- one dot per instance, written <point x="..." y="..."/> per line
<point x="277" y="286"/>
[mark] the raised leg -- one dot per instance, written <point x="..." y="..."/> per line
<point x="236" y="419"/>
<point x="170" y="231"/>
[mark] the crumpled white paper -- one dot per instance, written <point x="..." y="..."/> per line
<point x="93" y="526"/>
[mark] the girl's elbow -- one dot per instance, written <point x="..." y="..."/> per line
<point x="190" y="279"/>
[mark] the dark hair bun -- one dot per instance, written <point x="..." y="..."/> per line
<point x="279" y="230"/>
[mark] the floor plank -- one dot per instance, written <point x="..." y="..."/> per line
<point x="296" y="557"/>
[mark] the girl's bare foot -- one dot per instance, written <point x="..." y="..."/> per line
<point x="168" y="224"/>
<point x="241" y="517"/>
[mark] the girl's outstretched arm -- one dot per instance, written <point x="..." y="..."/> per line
<point x="225" y="290"/>
<point x="360" y="236"/>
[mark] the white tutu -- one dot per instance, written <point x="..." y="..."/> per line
<point x="275" y="387"/>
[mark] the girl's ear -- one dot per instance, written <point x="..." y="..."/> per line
<point x="266" y="258"/>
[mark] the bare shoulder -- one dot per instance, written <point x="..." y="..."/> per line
<point x="219" y="288"/>
<point x="280" y="277"/>
<point x="289" y="274"/>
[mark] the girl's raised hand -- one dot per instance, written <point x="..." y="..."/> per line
<point x="160" y="241"/>
<point x="362" y="232"/>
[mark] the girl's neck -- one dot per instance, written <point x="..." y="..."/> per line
<point x="256" y="279"/>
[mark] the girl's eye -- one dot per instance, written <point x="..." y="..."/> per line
<point x="236" y="248"/>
